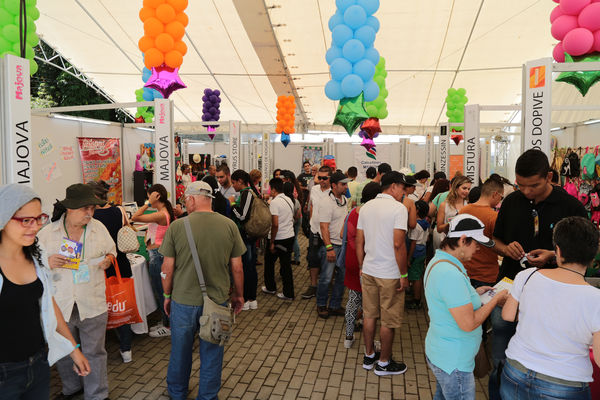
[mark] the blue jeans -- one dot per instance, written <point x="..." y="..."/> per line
<point x="250" y="274"/>
<point x="184" y="328"/>
<point x="458" y="385"/>
<point x="154" y="267"/>
<point x="325" y="277"/>
<point x="296" y="249"/>
<point x="125" y="335"/>
<point x="26" y="380"/>
<point x="502" y="332"/>
<point x="519" y="385"/>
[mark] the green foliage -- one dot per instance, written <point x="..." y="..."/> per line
<point x="51" y="87"/>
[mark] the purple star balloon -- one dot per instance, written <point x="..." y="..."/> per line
<point x="368" y="143"/>
<point x="166" y="80"/>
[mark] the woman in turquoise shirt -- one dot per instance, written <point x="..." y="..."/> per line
<point x="455" y="310"/>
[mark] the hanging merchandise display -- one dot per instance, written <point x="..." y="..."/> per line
<point x="286" y="108"/>
<point x="576" y="24"/>
<point x="162" y="45"/>
<point x="101" y="160"/>
<point x="211" y="109"/>
<point x="455" y="111"/>
<point x="18" y="32"/>
<point x="352" y="60"/>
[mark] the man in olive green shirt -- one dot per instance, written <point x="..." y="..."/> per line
<point x="219" y="246"/>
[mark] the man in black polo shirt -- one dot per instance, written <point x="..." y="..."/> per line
<point x="523" y="235"/>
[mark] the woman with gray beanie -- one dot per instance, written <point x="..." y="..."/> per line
<point x="26" y="302"/>
<point x="80" y="292"/>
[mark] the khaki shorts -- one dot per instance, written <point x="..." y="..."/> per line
<point x="381" y="300"/>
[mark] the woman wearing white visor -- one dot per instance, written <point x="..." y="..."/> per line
<point x="455" y="310"/>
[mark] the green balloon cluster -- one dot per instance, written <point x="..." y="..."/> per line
<point x="378" y="107"/>
<point x="146" y="112"/>
<point x="9" y="30"/>
<point x="455" y="107"/>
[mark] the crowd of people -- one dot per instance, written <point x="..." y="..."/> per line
<point x="396" y="241"/>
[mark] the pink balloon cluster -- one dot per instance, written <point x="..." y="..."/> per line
<point x="576" y="23"/>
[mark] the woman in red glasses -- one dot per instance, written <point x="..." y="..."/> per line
<point x="35" y="334"/>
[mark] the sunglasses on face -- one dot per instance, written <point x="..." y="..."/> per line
<point x="323" y="178"/>
<point x="29" y="221"/>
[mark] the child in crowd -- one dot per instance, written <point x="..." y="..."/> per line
<point x="416" y="254"/>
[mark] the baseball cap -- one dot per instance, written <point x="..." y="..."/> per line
<point x="199" y="188"/>
<point x="339" y="177"/>
<point x="470" y="226"/>
<point x="409" y="180"/>
<point x="392" y="177"/>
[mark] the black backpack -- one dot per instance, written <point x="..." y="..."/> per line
<point x="571" y="166"/>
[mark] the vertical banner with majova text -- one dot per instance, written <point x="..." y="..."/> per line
<point x="101" y="160"/>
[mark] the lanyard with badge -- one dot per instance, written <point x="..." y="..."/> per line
<point x="82" y="274"/>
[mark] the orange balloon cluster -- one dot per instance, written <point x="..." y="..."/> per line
<point x="164" y="27"/>
<point x="286" y="105"/>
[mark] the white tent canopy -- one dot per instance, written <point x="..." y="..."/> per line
<point x="255" y="50"/>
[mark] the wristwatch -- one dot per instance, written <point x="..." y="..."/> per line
<point x="147" y="203"/>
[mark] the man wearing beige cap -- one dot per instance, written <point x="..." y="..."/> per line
<point x="219" y="246"/>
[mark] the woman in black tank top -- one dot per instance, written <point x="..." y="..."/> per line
<point x="27" y="308"/>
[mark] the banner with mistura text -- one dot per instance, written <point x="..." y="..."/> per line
<point x="101" y="160"/>
<point x="364" y="159"/>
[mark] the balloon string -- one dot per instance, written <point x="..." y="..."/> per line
<point x="22" y="27"/>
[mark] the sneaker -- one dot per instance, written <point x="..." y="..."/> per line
<point x="393" y="368"/>
<point x="369" y="362"/>
<point x="267" y="291"/>
<point x="338" y="311"/>
<point x="126" y="356"/>
<point x="348" y="342"/>
<point x="157" y="326"/>
<point x="322" y="311"/>
<point x="161" y="332"/>
<point x="284" y="297"/>
<point x="246" y="306"/>
<point x="252" y="304"/>
<point x="310" y="292"/>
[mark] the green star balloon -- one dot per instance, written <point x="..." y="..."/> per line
<point x="582" y="80"/>
<point x="351" y="113"/>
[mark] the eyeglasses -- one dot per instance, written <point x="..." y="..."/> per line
<point x="323" y="178"/>
<point x="342" y="203"/>
<point x="28" y="221"/>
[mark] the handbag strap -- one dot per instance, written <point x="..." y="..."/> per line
<point x="436" y="263"/>
<point x="194" y="251"/>
<point x="523" y="287"/>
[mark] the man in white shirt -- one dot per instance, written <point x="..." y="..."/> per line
<point x="332" y="213"/>
<point x="317" y="193"/>
<point x="281" y="242"/>
<point x="381" y="253"/>
<point x="225" y="186"/>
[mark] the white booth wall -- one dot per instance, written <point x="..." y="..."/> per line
<point x="579" y="136"/>
<point x="60" y="133"/>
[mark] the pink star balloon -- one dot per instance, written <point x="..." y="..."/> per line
<point x="166" y="80"/>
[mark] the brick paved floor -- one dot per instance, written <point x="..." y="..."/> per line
<point x="282" y="351"/>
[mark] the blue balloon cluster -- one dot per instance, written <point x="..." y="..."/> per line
<point x="352" y="57"/>
<point x="149" y="94"/>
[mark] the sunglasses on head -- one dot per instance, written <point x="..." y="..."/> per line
<point x="323" y="178"/>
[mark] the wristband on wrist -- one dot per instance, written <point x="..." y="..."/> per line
<point x="166" y="296"/>
<point x="78" y="346"/>
<point x="403" y="276"/>
<point x="329" y="247"/>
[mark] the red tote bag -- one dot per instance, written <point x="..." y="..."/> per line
<point x="120" y="299"/>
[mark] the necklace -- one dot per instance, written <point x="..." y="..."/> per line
<point x="578" y="273"/>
